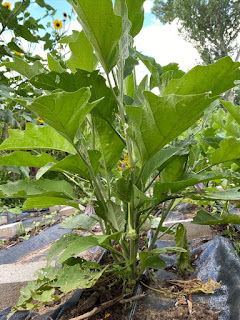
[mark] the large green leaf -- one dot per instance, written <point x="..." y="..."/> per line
<point x="32" y="188"/>
<point x="24" y="68"/>
<point x="229" y="150"/>
<point x="64" y="111"/>
<point x="233" y="109"/>
<point x="53" y="64"/>
<point x="175" y="169"/>
<point x="36" y="137"/>
<point x="102" y="27"/>
<point x="108" y="143"/>
<point x="135" y="15"/>
<point x="162" y="119"/>
<point x="227" y="122"/>
<point x="73" y="164"/>
<point x="82" y="56"/>
<point x="21" y="158"/>
<point x="205" y="218"/>
<point x="71" y="82"/>
<point x="115" y="216"/>
<point x="46" y="202"/>
<point x="215" y="79"/>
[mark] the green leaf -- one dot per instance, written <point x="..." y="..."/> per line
<point x="73" y="277"/>
<point x="24" y="68"/>
<point x="205" y="218"/>
<point x="83" y="243"/>
<point x="158" y="160"/>
<point x="115" y="216"/>
<point x="53" y="64"/>
<point x="227" y="122"/>
<point x="32" y="188"/>
<point x="140" y="198"/>
<point x="161" y="120"/>
<point x="123" y="188"/>
<point x="21" y="158"/>
<point x="108" y="143"/>
<point x="135" y="15"/>
<point x="175" y="169"/>
<point x="64" y="111"/>
<point x="102" y="27"/>
<point x="74" y="164"/>
<point x="184" y="258"/>
<point x="105" y="109"/>
<point x="154" y="68"/>
<point x="36" y="137"/>
<point x="232" y="194"/>
<point x="154" y="262"/>
<point x="47" y="202"/>
<point x="233" y="109"/>
<point x="215" y="79"/>
<point x="129" y="64"/>
<point x="229" y="150"/>
<point x="79" y="222"/>
<point x="82" y="56"/>
<point x="189" y="180"/>
<point x="60" y="245"/>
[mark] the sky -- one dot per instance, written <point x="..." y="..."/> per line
<point x="162" y="42"/>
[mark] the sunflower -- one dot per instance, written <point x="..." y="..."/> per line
<point x="16" y="52"/>
<point x="39" y="120"/>
<point x="57" y="24"/>
<point x="65" y="15"/>
<point x="7" y="5"/>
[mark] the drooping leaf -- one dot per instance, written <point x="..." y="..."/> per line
<point x="24" y="68"/>
<point x="108" y="143"/>
<point x="215" y="79"/>
<point x="36" y="137"/>
<point x="115" y="216"/>
<point x="53" y="64"/>
<point x="161" y="120"/>
<point x="232" y="194"/>
<point x="47" y="202"/>
<point x="64" y="111"/>
<point x="84" y="243"/>
<point x="82" y="56"/>
<point x="161" y="189"/>
<point x="73" y="164"/>
<point x="205" y="218"/>
<point x="32" y="188"/>
<point x="21" y="158"/>
<point x="184" y="258"/>
<point x="79" y="222"/>
<point x="102" y="27"/>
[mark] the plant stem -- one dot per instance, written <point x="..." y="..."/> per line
<point x="163" y="217"/>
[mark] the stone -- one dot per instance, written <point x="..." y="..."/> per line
<point x="3" y="220"/>
<point x="11" y="230"/>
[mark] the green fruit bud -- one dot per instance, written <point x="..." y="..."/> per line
<point x="132" y="234"/>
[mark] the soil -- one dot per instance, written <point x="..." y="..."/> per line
<point x="199" y="311"/>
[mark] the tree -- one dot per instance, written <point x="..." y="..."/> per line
<point x="212" y="26"/>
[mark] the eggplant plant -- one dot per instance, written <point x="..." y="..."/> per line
<point x="118" y="137"/>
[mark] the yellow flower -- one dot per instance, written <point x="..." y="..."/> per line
<point x="39" y="120"/>
<point x="9" y="127"/>
<point x="57" y="24"/>
<point x="199" y="121"/>
<point x="7" y="5"/>
<point x="107" y="315"/>
<point x="16" y="52"/>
